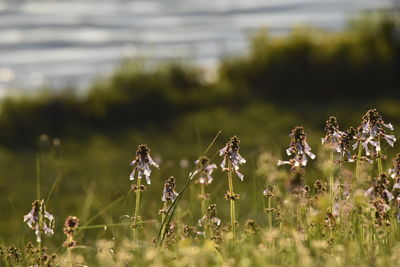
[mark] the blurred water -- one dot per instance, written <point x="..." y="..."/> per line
<point x="69" y="42"/>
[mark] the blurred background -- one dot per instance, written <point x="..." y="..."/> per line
<point x="82" y="83"/>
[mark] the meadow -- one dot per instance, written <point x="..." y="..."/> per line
<point x="73" y="151"/>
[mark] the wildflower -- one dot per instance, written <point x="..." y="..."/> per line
<point x="251" y="227"/>
<point x="299" y="148"/>
<point x="231" y="196"/>
<point x="210" y="225"/>
<point x="142" y="164"/>
<point x="381" y="211"/>
<point x="320" y="186"/>
<point x="14" y="254"/>
<point x="210" y="217"/>
<point x="395" y="171"/>
<point x="372" y="129"/>
<point x="40" y="220"/>
<point x="169" y="190"/>
<point x="379" y="189"/>
<point x="70" y="226"/>
<point x="232" y="158"/>
<point x="170" y="236"/>
<point x="330" y="220"/>
<point x="395" y="174"/>
<point x="189" y="232"/>
<point x="204" y="171"/>
<point x="344" y="144"/>
<point x="333" y="135"/>
<point x="269" y="192"/>
<point x="398" y="210"/>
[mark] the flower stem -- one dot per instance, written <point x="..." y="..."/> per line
<point x="164" y="211"/>
<point x="232" y="202"/>
<point x="137" y="206"/>
<point x="269" y="214"/>
<point x="331" y="177"/>
<point x="39" y="237"/>
<point x="358" y="160"/>
<point x="380" y="168"/>
<point x="172" y="208"/>
<point x="203" y="199"/>
<point x="37" y="176"/>
<point x="69" y="257"/>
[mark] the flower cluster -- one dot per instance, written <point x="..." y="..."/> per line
<point x="371" y="131"/>
<point x="70" y="226"/>
<point x="395" y="171"/>
<point x="333" y="135"/>
<point x="299" y="148"/>
<point x="210" y="225"/>
<point x="345" y="143"/>
<point x="169" y="190"/>
<point x="379" y="189"/>
<point x="40" y="220"/>
<point x="232" y="158"/>
<point x="141" y="164"/>
<point x="204" y="171"/>
<point x="210" y="217"/>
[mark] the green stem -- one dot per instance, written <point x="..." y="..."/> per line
<point x="269" y="213"/>
<point x="331" y="177"/>
<point x="380" y="168"/>
<point x="203" y="200"/>
<point x="164" y="211"/>
<point x="40" y="223"/>
<point x="37" y="177"/>
<point x="340" y="184"/>
<point x="163" y="216"/>
<point x="232" y="202"/>
<point x="69" y="258"/>
<point x="172" y="207"/>
<point x="137" y="206"/>
<point x="358" y="161"/>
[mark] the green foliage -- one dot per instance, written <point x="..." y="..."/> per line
<point x="303" y="69"/>
<point x="177" y="109"/>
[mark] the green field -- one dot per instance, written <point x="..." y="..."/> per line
<point x="74" y="151"/>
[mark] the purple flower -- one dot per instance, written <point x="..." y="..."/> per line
<point x="333" y="135"/>
<point x="232" y="158"/>
<point x="169" y="190"/>
<point x="141" y="164"/>
<point x="299" y="148"/>
<point x="345" y="143"/>
<point x="372" y="129"/>
<point x="40" y="220"/>
<point x="204" y="171"/>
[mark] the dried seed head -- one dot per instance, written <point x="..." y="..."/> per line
<point x="231" y="196"/>
<point x="70" y="226"/>
<point x="251" y="227"/>
<point x="269" y="192"/>
<point x="189" y="232"/>
<point x="320" y="186"/>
